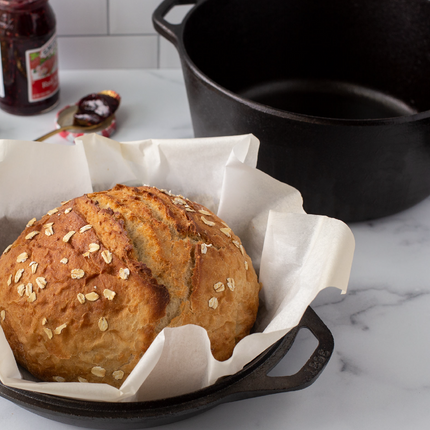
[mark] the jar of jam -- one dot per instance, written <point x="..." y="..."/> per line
<point x="29" y="73"/>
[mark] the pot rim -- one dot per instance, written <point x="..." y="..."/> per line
<point x="419" y="116"/>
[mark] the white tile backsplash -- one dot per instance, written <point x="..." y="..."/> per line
<point x="176" y="15"/>
<point x="113" y="52"/>
<point x="113" y="34"/>
<point x="131" y="16"/>
<point x="169" y="57"/>
<point x="81" y="17"/>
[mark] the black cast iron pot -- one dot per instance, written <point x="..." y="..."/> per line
<point x="251" y="381"/>
<point x="337" y="92"/>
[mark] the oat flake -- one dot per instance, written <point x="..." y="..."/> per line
<point x="21" y="289"/>
<point x="107" y="256"/>
<point x="58" y="379"/>
<point x="60" y="328"/>
<point x="31" y="222"/>
<point x="77" y="273"/>
<point x="41" y="282"/>
<point x="236" y="243"/>
<point x="219" y="286"/>
<point x="205" y="212"/>
<point x="207" y="222"/>
<point x="93" y="247"/>
<point x="204" y="247"/>
<point x="22" y="257"/>
<point x="213" y="302"/>
<point x="124" y="273"/>
<point x="18" y="275"/>
<point x="32" y="234"/>
<point x="118" y="374"/>
<point x="28" y="289"/>
<point x="98" y="371"/>
<point x="49" y="231"/>
<point x="103" y="324"/>
<point x="33" y="266"/>
<point x="226" y="231"/>
<point x="179" y="201"/>
<point x="92" y="297"/>
<point x="109" y="294"/>
<point x="7" y="249"/>
<point x="85" y="228"/>
<point x="67" y="237"/>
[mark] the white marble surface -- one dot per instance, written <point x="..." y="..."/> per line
<point x="378" y="377"/>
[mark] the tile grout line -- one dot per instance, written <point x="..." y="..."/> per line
<point x="71" y="36"/>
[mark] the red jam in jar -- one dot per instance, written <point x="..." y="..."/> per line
<point x="29" y="73"/>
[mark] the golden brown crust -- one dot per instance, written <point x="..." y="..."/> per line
<point x="86" y="289"/>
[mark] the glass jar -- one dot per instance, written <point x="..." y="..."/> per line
<point x="29" y="73"/>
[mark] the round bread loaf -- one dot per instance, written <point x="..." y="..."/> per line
<point x="86" y="289"/>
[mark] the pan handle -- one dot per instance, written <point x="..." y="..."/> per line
<point x="257" y="383"/>
<point x="170" y="31"/>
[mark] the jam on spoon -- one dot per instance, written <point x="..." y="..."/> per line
<point x="96" y="107"/>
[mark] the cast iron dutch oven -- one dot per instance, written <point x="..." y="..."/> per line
<point x="337" y="92"/>
<point x="251" y="381"/>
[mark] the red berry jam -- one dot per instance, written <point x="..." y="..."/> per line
<point x="29" y="74"/>
<point x="96" y="107"/>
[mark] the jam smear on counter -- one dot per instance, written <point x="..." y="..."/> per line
<point x="29" y="73"/>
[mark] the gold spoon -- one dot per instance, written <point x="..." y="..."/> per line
<point x="65" y="117"/>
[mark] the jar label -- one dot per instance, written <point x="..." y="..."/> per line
<point x="42" y="71"/>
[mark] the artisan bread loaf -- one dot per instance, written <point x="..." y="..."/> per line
<point x="86" y="289"/>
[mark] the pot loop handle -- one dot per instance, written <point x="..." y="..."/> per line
<point x="258" y="383"/>
<point x="170" y="31"/>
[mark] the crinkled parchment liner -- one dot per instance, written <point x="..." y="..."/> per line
<point x="296" y="254"/>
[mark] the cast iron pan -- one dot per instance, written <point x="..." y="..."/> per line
<point x="251" y="381"/>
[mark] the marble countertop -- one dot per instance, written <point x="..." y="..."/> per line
<point x="378" y="377"/>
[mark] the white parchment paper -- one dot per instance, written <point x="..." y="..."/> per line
<point x="296" y="254"/>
